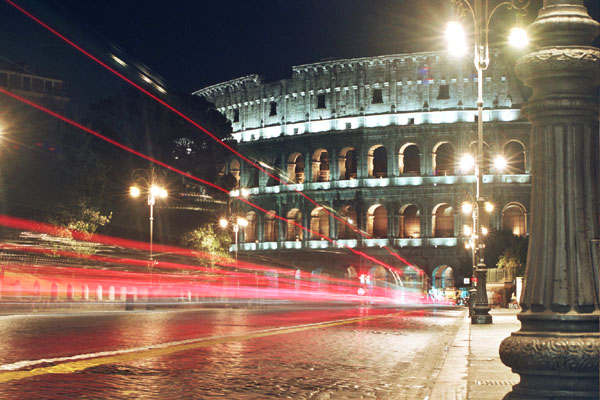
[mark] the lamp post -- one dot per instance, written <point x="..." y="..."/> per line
<point x="481" y="14"/>
<point x="148" y="182"/>
<point x="475" y="233"/>
<point x="236" y="223"/>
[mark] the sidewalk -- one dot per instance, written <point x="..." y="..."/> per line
<point x="472" y="368"/>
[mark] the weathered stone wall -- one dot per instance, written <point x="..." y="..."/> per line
<point x="407" y="83"/>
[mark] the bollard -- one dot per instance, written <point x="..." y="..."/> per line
<point x="472" y="293"/>
<point x="129" y="302"/>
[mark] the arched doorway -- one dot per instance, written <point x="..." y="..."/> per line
<point x="347" y="163"/>
<point x="410" y="159"/>
<point x="377" y="221"/>
<point x="443" y="221"/>
<point x="296" y="167"/>
<point x="319" y="223"/>
<point x="377" y="161"/>
<point x="294" y="230"/>
<point x="514" y="153"/>
<point x="444" y="159"/>
<point x="410" y="222"/>
<point x="270" y="229"/>
<point x="320" y="166"/>
<point x="514" y="219"/>
<point x="250" y="229"/>
<point x="443" y="277"/>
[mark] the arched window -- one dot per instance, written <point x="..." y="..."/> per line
<point x="347" y="163"/>
<point x="514" y="153"/>
<point x="345" y="231"/>
<point x="410" y="222"/>
<point x="410" y="160"/>
<point x="514" y="219"/>
<point x="319" y="223"/>
<point x="443" y="277"/>
<point x="444" y="159"/>
<point x="270" y="229"/>
<point x="250" y="229"/>
<point x="320" y="166"/>
<point x="294" y="230"/>
<point x="296" y="167"/>
<point x="377" y="221"/>
<point x="377" y="162"/>
<point x="443" y="221"/>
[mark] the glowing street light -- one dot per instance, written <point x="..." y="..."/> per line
<point x="479" y="11"/>
<point x="147" y="182"/>
<point x="238" y="222"/>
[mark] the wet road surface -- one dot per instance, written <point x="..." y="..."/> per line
<point x="298" y="353"/>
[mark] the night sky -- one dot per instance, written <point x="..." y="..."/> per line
<point x="195" y="43"/>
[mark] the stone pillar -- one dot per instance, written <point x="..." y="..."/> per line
<point x="557" y="349"/>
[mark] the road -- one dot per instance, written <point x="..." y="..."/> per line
<point x="277" y="352"/>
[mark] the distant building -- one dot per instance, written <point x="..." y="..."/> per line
<point x="41" y="89"/>
<point x="376" y="139"/>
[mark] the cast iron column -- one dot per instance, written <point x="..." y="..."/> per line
<point x="556" y="351"/>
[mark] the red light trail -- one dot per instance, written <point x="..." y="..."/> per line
<point x="201" y="128"/>
<point x="191" y="121"/>
<point x="171" y="168"/>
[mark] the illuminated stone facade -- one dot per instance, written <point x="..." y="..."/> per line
<point x="377" y="140"/>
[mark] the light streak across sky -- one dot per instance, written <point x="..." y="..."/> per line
<point x="202" y="129"/>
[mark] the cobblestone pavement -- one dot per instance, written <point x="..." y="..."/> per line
<point x="317" y="353"/>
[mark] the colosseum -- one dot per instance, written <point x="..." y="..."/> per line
<point x="376" y="140"/>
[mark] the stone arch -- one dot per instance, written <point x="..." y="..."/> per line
<point x="347" y="163"/>
<point x="320" y="166"/>
<point x="442" y="222"/>
<point x="294" y="232"/>
<point x="410" y="221"/>
<point x="250" y="229"/>
<point x="514" y="152"/>
<point x="444" y="159"/>
<point x="377" y="221"/>
<point x="70" y="291"/>
<point x="234" y="170"/>
<point x="99" y="293"/>
<point x="295" y="166"/>
<point x="111" y="293"/>
<point x="54" y="291"/>
<point x="319" y="223"/>
<point x="443" y="277"/>
<point x="514" y="218"/>
<point x="347" y="213"/>
<point x="377" y="161"/>
<point x="123" y="293"/>
<point x="270" y="227"/>
<point x="409" y="159"/>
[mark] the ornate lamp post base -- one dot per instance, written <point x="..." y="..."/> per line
<point x="481" y="308"/>
<point x="557" y="350"/>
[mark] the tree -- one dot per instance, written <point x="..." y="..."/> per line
<point x="206" y="239"/>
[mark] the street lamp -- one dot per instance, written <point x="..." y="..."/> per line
<point x="481" y="14"/>
<point x="148" y="182"/>
<point x="236" y="224"/>
<point x="476" y="233"/>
